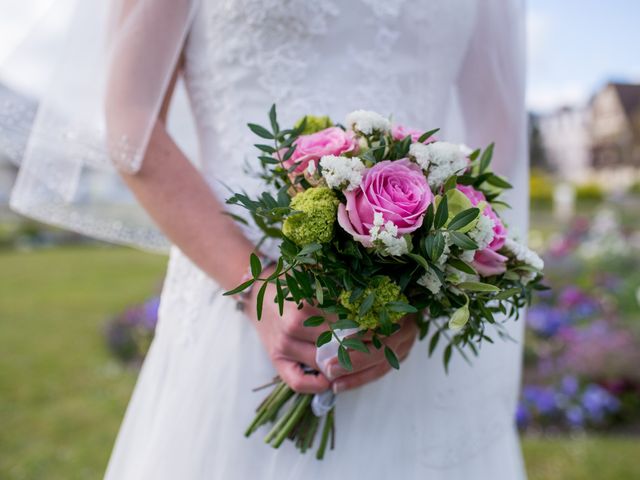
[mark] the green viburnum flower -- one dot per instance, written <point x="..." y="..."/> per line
<point x="313" y="223"/>
<point x="385" y="291"/>
<point x="314" y="124"/>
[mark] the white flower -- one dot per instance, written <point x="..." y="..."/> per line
<point x="447" y="249"/>
<point x="430" y="281"/>
<point x="467" y="255"/>
<point x="524" y="254"/>
<point x="441" y="159"/>
<point x="482" y="233"/>
<point x="366" y="122"/>
<point x="386" y="236"/>
<point x="341" y="172"/>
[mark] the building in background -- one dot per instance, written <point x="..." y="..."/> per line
<point x="600" y="139"/>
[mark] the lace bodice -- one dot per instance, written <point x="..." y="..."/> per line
<point x="330" y="57"/>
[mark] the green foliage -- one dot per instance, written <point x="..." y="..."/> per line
<point x="313" y="124"/>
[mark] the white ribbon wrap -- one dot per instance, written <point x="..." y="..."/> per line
<point x="323" y="402"/>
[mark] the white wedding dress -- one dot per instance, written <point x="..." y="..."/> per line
<point x="430" y="63"/>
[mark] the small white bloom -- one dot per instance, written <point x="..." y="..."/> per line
<point x="441" y="159"/>
<point x="524" y="254"/>
<point x="366" y="122"/>
<point x="342" y="172"/>
<point x="447" y="249"/>
<point x="386" y="236"/>
<point x="482" y="233"/>
<point x="466" y="150"/>
<point x="430" y="281"/>
<point x="467" y="255"/>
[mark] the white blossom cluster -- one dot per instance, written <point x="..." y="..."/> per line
<point x="366" y="122"/>
<point x="440" y="159"/>
<point x="468" y="255"/>
<point x="482" y="233"/>
<point x="386" y="234"/>
<point x="430" y="281"/>
<point x="524" y="254"/>
<point x="447" y="249"/>
<point x="342" y="172"/>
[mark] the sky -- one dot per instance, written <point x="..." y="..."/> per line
<point x="574" y="46"/>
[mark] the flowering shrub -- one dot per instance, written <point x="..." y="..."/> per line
<point x="583" y="343"/>
<point x="129" y="334"/>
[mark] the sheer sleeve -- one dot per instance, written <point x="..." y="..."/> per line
<point x="96" y="117"/>
<point x="491" y="91"/>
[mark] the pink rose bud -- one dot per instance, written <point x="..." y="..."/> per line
<point x="399" y="132"/>
<point x="311" y="148"/>
<point x="488" y="263"/>
<point x="398" y="190"/>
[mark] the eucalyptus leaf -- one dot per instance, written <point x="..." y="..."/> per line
<point x="260" y="131"/>
<point x="478" y="287"/>
<point x="391" y="357"/>
<point x="323" y="338"/>
<point x="442" y="213"/>
<point x="463" y="219"/>
<point x="463" y="241"/>
<point x="344" y="359"/>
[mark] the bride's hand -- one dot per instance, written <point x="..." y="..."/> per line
<point x="288" y="342"/>
<point x="368" y="367"/>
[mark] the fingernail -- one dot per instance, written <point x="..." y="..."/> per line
<point x="337" y="387"/>
<point x="331" y="372"/>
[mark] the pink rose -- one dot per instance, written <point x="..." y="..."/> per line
<point x="488" y="262"/>
<point x="499" y="230"/>
<point x="398" y="132"/>
<point x="398" y="190"/>
<point x="311" y="148"/>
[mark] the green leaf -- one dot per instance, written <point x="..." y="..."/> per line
<point x="434" y="342"/>
<point x="273" y="119"/>
<point x="355" y="344"/>
<point x="260" y="131"/>
<point x="427" y="222"/>
<point x="437" y="246"/>
<point x="419" y="260"/>
<point x="462" y="266"/>
<point x="464" y="218"/>
<point x="279" y="296"/>
<point x="478" y="287"/>
<point x="345" y="323"/>
<point x="366" y="304"/>
<point x="307" y="249"/>
<point x="428" y="134"/>
<point x="260" y="299"/>
<point x="256" y="266"/>
<point x="240" y="288"/>
<point x="507" y="294"/>
<point x="497" y="181"/>
<point x="451" y="182"/>
<point x="485" y="159"/>
<point x="344" y="359"/>
<point x="314" y="321"/>
<point x="442" y="214"/>
<point x="401" y="307"/>
<point x="324" y="337"/>
<point x="463" y="241"/>
<point x="292" y="284"/>
<point x="376" y="342"/>
<point x="447" y="357"/>
<point x="319" y="292"/>
<point x="391" y="357"/>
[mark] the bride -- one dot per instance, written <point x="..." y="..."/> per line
<point x="455" y="64"/>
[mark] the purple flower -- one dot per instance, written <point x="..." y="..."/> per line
<point x="597" y="402"/>
<point x="542" y="398"/>
<point x="522" y="416"/>
<point x="546" y="321"/>
<point x="569" y="385"/>
<point x="575" y="416"/>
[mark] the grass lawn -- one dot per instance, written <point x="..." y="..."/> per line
<point x="62" y="396"/>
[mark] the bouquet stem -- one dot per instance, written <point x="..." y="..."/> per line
<point x="298" y="422"/>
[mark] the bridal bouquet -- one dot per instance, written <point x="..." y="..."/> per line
<point x="378" y="221"/>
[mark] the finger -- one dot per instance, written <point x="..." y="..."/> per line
<point x="298" y="351"/>
<point x="292" y="374"/>
<point x="355" y="380"/>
